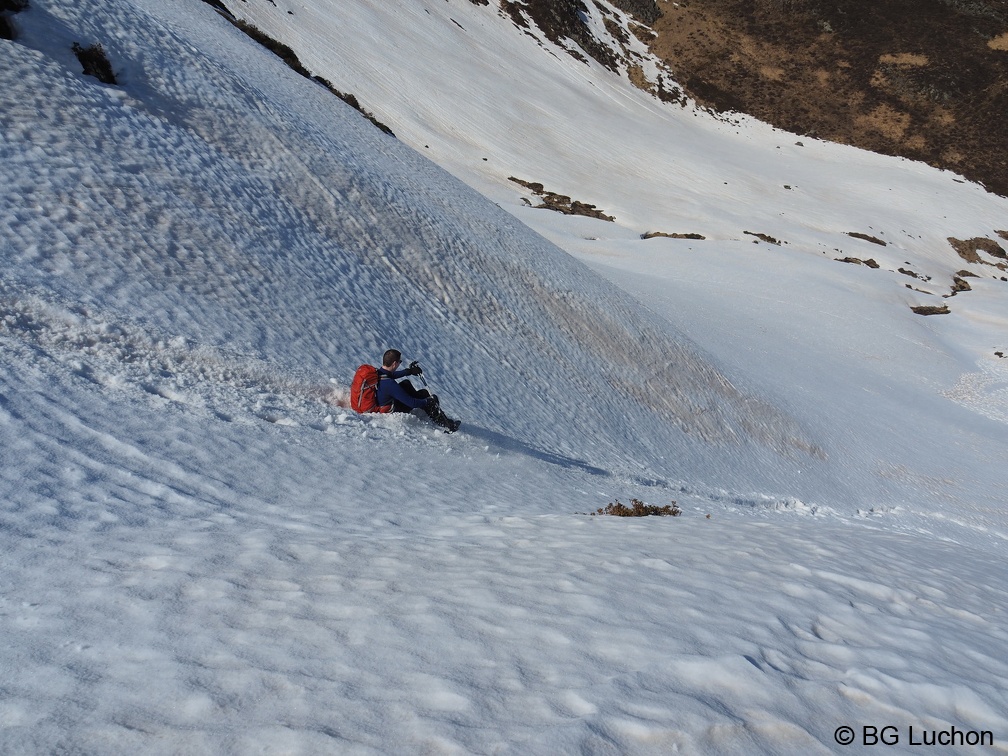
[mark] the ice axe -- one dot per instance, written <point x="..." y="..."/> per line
<point x="416" y="366"/>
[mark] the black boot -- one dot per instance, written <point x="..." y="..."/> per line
<point x="439" y="418"/>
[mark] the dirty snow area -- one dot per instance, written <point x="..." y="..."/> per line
<point x="205" y="551"/>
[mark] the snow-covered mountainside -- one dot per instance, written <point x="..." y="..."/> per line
<point x="483" y="92"/>
<point x="206" y="551"/>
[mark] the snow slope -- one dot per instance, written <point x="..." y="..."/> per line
<point x="204" y="551"/>
<point x="487" y="100"/>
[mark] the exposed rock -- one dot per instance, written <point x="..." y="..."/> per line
<point x="764" y="237"/>
<point x="866" y="237"/>
<point x="871" y="263"/>
<point x="908" y="272"/>
<point x="958" y="285"/>
<point x="662" y="234"/>
<point x="561" y="20"/>
<point x="561" y="203"/>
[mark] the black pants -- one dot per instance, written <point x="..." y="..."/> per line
<point x="406" y="386"/>
<point x="433" y="409"/>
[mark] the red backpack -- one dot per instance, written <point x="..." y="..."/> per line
<point x="364" y="390"/>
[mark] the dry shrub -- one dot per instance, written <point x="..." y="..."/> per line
<point x="638" y="508"/>
<point x="95" y="62"/>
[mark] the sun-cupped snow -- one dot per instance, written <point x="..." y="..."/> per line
<point x="253" y="227"/>
<point x="206" y="551"/>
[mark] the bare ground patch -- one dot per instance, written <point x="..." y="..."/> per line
<point x="970" y="249"/>
<point x="999" y="42"/>
<point x="924" y="79"/>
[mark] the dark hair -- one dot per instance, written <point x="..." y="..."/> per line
<point x="391" y="356"/>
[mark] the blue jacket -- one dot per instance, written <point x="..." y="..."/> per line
<point x="389" y="389"/>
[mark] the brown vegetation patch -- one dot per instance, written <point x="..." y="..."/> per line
<point x="638" y="508"/>
<point x="890" y="123"/>
<point x="931" y="310"/>
<point x="965" y="250"/>
<point x="969" y="249"/>
<point x="636" y="75"/>
<point x="903" y="59"/>
<point x="924" y="79"/>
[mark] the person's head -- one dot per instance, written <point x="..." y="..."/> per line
<point x="391" y="358"/>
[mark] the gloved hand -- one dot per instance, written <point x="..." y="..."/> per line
<point x="415" y="369"/>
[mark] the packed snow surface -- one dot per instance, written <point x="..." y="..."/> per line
<point x="205" y="551"/>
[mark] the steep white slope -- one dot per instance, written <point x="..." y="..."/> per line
<point x="488" y="100"/>
<point x="262" y="214"/>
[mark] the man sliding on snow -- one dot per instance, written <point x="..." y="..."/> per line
<point x="393" y="396"/>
